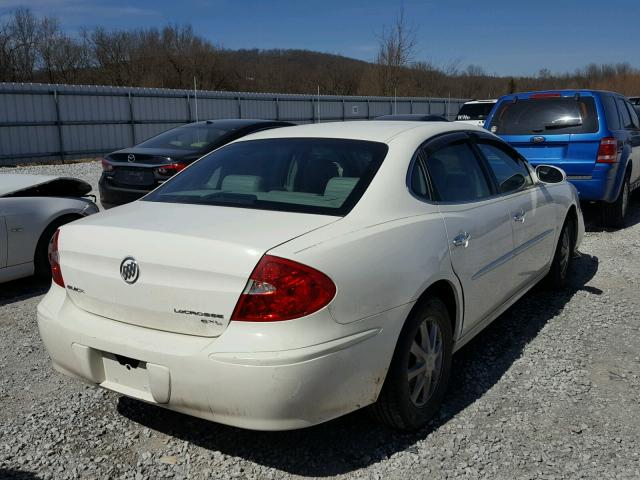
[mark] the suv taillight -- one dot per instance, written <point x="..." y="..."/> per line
<point x="171" y="169"/>
<point x="54" y="260"/>
<point x="106" y="165"/>
<point x="281" y="289"/>
<point x="608" y="150"/>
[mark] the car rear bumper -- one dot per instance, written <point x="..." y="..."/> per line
<point x="270" y="389"/>
<point x="112" y="196"/>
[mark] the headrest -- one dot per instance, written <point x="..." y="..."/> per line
<point x="340" y="187"/>
<point x="242" y="183"/>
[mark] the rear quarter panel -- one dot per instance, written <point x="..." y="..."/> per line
<point x="376" y="267"/>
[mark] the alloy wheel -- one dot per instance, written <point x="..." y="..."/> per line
<point x="425" y="362"/>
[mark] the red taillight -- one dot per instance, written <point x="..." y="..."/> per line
<point x="544" y="95"/>
<point x="54" y="260"/>
<point x="106" y="165"/>
<point x="280" y="289"/>
<point x="608" y="150"/>
<point x="172" y="168"/>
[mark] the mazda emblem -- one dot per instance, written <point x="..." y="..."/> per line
<point x="131" y="157"/>
<point x="538" y="139"/>
<point x="129" y="270"/>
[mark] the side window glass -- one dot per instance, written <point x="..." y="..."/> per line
<point x="611" y="112"/>
<point x="626" y="119"/>
<point x="510" y="171"/>
<point x="456" y="174"/>
<point x="419" y="179"/>
<point x="633" y="115"/>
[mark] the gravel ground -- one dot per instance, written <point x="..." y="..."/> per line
<point x="550" y="390"/>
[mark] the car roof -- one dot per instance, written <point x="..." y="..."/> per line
<point x="234" y="123"/>
<point x="420" y="117"/>
<point x="374" y="131"/>
<point x="563" y="92"/>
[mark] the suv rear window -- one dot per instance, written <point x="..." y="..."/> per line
<point x="309" y="175"/>
<point x="475" y="111"/>
<point x="548" y="115"/>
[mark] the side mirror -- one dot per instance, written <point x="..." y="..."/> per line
<point x="550" y="174"/>
<point x="513" y="183"/>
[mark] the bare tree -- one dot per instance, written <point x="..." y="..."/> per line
<point x="396" y="50"/>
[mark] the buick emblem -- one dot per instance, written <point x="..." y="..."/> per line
<point x="131" y="157"/>
<point x="129" y="270"/>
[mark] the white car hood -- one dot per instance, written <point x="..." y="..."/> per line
<point x="12" y="183"/>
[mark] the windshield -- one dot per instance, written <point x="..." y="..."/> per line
<point x="310" y="175"/>
<point x="189" y="138"/>
<point x="475" y="111"/>
<point x="548" y="115"/>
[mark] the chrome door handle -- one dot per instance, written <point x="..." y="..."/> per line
<point x="519" y="217"/>
<point x="461" y="240"/>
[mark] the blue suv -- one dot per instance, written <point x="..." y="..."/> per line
<point x="594" y="136"/>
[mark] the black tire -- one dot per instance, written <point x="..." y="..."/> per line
<point x="615" y="214"/>
<point x="395" y="406"/>
<point x="42" y="269"/>
<point x="563" y="257"/>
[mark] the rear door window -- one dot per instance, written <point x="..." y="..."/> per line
<point x="624" y="113"/>
<point x="456" y="174"/>
<point x="633" y="115"/>
<point x="611" y="112"/>
<point x="545" y="115"/>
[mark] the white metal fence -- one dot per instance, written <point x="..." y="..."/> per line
<point x="41" y="122"/>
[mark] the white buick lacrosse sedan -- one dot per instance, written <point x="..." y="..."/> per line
<point x="299" y="274"/>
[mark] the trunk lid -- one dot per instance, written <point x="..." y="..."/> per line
<point x="193" y="260"/>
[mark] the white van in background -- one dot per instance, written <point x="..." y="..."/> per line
<point x="475" y="112"/>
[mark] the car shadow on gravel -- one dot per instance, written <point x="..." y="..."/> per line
<point x="23" y="289"/>
<point x="594" y="215"/>
<point x="355" y="441"/>
<point x="17" y="475"/>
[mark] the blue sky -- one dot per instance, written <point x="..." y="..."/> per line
<point x="504" y="37"/>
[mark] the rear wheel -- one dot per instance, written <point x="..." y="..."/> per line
<point x="420" y="369"/>
<point x="615" y="214"/>
<point x="561" y="265"/>
<point x="41" y="256"/>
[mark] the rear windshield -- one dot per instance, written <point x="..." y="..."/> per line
<point x="309" y="175"/>
<point x="475" y="111"/>
<point x="551" y="116"/>
<point x="188" y="138"/>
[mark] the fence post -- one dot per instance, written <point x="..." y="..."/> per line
<point x="132" y="120"/>
<point x="59" y="125"/>
<point x="277" y="109"/>
<point x="411" y="106"/>
<point x="239" y="107"/>
<point x="313" y="111"/>
<point x="428" y="105"/>
<point x="189" y="112"/>
<point x="344" y="114"/>
<point x="368" y="110"/>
